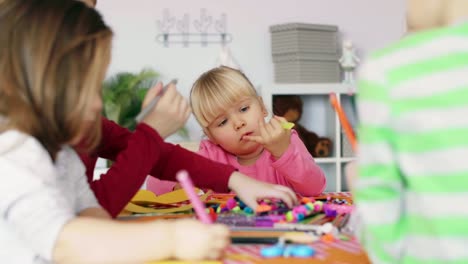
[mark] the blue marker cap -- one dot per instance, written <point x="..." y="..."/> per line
<point x="272" y="252"/>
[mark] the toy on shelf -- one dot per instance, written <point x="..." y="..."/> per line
<point x="290" y="107"/>
<point x="348" y="61"/>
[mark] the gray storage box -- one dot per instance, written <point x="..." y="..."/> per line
<point x="306" y="68"/>
<point x="305" y="53"/>
<point x="303" y="38"/>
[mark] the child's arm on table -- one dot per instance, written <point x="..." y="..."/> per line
<point x="82" y="241"/>
<point x="249" y="190"/>
<point x="95" y="212"/>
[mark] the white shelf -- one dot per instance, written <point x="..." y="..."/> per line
<point x="332" y="166"/>
<point x="325" y="160"/>
<point x="347" y="159"/>
<point x="311" y="88"/>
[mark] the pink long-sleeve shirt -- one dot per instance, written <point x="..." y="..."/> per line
<point x="296" y="168"/>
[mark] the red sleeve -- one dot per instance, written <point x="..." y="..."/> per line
<point x="114" y="140"/>
<point x="144" y="152"/>
<point x="204" y="172"/>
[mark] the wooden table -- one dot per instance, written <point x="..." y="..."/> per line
<point x="338" y="252"/>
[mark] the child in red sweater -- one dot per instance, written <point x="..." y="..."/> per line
<point x="144" y="152"/>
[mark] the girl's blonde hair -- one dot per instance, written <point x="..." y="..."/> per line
<point x="53" y="57"/>
<point x="216" y="90"/>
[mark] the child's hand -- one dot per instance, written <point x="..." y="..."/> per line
<point x="351" y="172"/>
<point x="273" y="136"/>
<point x="250" y="190"/>
<point x="194" y="240"/>
<point x="170" y="113"/>
<point x="176" y="187"/>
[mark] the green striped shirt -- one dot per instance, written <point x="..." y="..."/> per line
<point x="412" y="189"/>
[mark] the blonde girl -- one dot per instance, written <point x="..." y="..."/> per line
<point x="232" y="116"/>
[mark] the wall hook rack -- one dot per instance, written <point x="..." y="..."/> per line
<point x="207" y="32"/>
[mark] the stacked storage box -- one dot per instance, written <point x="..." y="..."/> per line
<point x="305" y="53"/>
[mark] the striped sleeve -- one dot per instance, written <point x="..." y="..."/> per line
<point x="378" y="189"/>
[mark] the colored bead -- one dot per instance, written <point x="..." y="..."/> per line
<point x="231" y="203"/>
<point x="330" y="212"/>
<point x="318" y="206"/>
<point x="310" y="206"/>
<point x="301" y="209"/>
<point x="289" y="216"/>
<point x="242" y="205"/>
<point x="263" y="208"/>
<point x="248" y="210"/>
<point x="300" y="217"/>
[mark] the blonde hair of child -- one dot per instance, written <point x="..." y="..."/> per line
<point x="216" y="90"/>
<point x="51" y="64"/>
<point x="427" y="14"/>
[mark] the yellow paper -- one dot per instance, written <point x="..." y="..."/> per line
<point x="134" y="208"/>
<point x="169" y="198"/>
<point x="287" y="125"/>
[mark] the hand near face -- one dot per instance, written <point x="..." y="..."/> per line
<point x="273" y="136"/>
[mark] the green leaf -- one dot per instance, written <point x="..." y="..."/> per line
<point x="123" y="94"/>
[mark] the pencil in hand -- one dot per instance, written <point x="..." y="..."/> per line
<point x="153" y="102"/>
<point x="186" y="183"/>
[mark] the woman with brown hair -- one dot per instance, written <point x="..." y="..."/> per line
<point x="53" y="58"/>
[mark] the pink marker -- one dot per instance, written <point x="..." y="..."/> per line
<point x="186" y="182"/>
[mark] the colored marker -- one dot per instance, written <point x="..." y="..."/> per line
<point x="344" y="121"/>
<point x="186" y="182"/>
<point x="153" y="102"/>
<point x="287" y="125"/>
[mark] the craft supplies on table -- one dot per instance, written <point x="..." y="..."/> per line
<point x="251" y="231"/>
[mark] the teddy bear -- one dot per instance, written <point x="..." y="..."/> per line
<point x="290" y="107"/>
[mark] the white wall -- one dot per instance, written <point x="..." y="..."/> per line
<point x="370" y="24"/>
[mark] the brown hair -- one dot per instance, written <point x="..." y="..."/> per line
<point x="53" y="57"/>
<point x="216" y="90"/>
